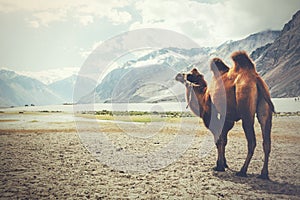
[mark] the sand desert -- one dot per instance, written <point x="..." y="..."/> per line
<point x="44" y="158"/>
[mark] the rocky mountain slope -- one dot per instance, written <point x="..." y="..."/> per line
<point x="248" y="44"/>
<point x="279" y="62"/>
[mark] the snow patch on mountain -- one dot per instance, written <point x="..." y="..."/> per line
<point x="51" y="75"/>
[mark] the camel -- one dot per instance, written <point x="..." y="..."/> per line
<point x="237" y="93"/>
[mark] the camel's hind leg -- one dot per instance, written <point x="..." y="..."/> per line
<point x="264" y="116"/>
<point x="248" y="123"/>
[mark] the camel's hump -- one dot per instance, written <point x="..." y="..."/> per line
<point x="242" y="60"/>
<point x="218" y="66"/>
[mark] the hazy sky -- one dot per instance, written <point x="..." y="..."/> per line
<point x="40" y="35"/>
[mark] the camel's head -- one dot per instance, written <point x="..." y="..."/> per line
<point x="193" y="77"/>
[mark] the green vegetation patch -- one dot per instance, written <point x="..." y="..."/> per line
<point x="137" y="116"/>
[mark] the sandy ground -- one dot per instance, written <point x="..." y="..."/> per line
<point x="42" y="156"/>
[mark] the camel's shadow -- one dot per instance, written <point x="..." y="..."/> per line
<point x="270" y="186"/>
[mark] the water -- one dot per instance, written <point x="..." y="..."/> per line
<point x="286" y="105"/>
<point x="281" y="105"/>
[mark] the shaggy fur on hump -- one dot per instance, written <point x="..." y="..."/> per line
<point x="242" y="61"/>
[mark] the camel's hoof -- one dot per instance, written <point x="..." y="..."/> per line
<point x="264" y="177"/>
<point x="241" y="174"/>
<point x="219" y="169"/>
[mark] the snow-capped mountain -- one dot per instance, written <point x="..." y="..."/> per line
<point x="50" y="75"/>
<point x="19" y="90"/>
<point x="150" y="78"/>
<point x="147" y="79"/>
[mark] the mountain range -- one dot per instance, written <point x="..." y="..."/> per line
<point x="150" y="78"/>
<point x="20" y="90"/>
<point x="153" y="79"/>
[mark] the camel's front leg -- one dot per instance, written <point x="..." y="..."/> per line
<point x="221" y="162"/>
<point x="221" y="144"/>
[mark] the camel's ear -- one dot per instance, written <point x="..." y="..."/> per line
<point x="195" y="71"/>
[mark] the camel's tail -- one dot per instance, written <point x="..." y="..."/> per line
<point x="264" y="91"/>
<point x="242" y="60"/>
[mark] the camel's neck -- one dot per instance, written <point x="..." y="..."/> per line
<point x="200" y="102"/>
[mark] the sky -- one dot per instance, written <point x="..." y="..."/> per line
<point x="58" y="35"/>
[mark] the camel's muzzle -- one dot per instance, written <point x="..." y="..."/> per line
<point x="180" y="77"/>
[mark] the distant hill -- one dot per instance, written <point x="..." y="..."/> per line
<point x="65" y="87"/>
<point x="18" y="90"/>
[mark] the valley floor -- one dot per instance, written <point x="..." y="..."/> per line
<point x="43" y="156"/>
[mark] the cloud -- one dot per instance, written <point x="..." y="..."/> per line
<point x="86" y="19"/>
<point x="213" y="22"/>
<point x="34" y="24"/>
<point x="268" y="13"/>
<point x="187" y="17"/>
<point x="209" y="22"/>
<point x="84" y="53"/>
<point x="44" y="18"/>
<point x="43" y="13"/>
<point x="119" y="17"/>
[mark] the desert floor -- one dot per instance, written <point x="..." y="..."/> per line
<point x="43" y="156"/>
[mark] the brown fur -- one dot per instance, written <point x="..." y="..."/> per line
<point x="245" y="94"/>
<point x="242" y="61"/>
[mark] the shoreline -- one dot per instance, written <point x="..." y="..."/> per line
<point x="281" y="105"/>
